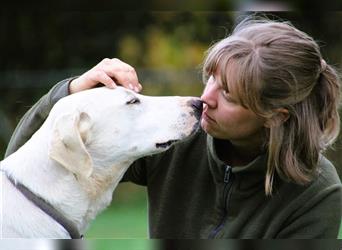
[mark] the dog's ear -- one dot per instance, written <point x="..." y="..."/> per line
<point x="70" y="132"/>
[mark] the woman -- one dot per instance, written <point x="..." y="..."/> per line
<point x="255" y="170"/>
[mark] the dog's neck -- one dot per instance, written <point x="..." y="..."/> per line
<point x="79" y="200"/>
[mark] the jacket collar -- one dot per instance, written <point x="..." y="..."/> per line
<point x="258" y="165"/>
<point x="247" y="179"/>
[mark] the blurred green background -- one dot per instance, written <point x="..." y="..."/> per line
<point x="165" y="47"/>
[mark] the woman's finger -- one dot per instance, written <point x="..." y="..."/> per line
<point x="123" y="74"/>
<point x="100" y="76"/>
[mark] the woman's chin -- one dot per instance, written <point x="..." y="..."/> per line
<point x="207" y="128"/>
<point x="204" y="125"/>
<point x="212" y="131"/>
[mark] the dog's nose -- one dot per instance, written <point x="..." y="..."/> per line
<point x="197" y="104"/>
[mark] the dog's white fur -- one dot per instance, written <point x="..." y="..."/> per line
<point x="78" y="156"/>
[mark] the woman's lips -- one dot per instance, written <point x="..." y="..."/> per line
<point x="207" y="117"/>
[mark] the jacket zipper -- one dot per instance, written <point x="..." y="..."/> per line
<point x="228" y="181"/>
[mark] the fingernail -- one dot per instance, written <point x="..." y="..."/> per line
<point x="136" y="89"/>
<point x="140" y="86"/>
<point x="131" y="86"/>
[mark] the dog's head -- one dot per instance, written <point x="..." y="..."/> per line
<point x="109" y="126"/>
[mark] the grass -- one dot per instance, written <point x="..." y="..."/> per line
<point x="126" y="218"/>
<point x="124" y="224"/>
<point x="120" y="222"/>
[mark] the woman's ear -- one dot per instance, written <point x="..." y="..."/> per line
<point x="279" y="116"/>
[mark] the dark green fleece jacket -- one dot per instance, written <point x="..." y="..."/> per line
<point x="193" y="194"/>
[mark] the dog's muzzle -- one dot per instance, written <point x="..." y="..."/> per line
<point x="198" y="108"/>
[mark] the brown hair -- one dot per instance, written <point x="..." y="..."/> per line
<point x="270" y="65"/>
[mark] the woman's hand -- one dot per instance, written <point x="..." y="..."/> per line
<point x="110" y="72"/>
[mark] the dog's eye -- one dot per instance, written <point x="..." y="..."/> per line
<point x="133" y="101"/>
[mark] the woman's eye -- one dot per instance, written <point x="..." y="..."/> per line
<point x="133" y="101"/>
<point x="227" y="96"/>
<point x="225" y="93"/>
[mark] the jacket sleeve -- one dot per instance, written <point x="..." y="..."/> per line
<point x="36" y="115"/>
<point x="136" y="173"/>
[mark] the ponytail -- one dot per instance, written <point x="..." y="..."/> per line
<point x="328" y="95"/>
<point x="314" y="125"/>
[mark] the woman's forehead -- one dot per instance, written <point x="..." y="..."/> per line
<point x="228" y="72"/>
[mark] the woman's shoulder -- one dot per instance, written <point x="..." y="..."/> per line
<point x="327" y="173"/>
<point x="324" y="183"/>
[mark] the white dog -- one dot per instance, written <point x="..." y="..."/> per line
<point x="73" y="163"/>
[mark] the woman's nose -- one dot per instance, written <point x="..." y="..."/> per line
<point x="209" y="95"/>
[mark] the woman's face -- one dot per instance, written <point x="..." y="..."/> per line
<point x="224" y="118"/>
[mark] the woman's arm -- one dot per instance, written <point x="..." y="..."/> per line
<point x="109" y="72"/>
<point x="36" y="115"/>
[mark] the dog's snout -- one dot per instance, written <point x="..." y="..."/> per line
<point x="197" y="104"/>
